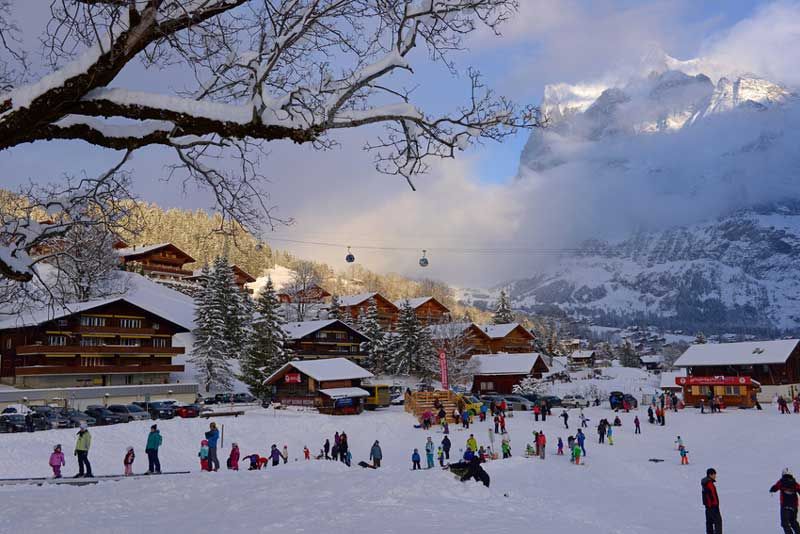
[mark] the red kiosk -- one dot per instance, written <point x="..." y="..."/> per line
<point x="731" y="390"/>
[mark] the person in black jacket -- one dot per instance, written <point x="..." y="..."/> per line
<point x="788" y="488"/>
<point x="446" y="447"/>
<point x="711" y="502"/>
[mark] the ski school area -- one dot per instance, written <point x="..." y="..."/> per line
<point x="624" y="487"/>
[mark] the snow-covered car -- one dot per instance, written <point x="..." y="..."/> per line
<point x="129" y="412"/>
<point x="574" y="401"/>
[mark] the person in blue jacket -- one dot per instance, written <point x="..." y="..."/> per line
<point x="415" y="459"/>
<point x="429" y="449"/>
<point x="465" y="418"/>
<point x="213" y="437"/>
<point x="468" y="455"/>
<point x="580" y="437"/>
<point x="484" y="409"/>
<point x="275" y="454"/>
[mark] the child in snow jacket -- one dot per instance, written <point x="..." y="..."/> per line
<point x="233" y="459"/>
<point x="560" y="447"/>
<point x="610" y="435"/>
<point x="576" y="454"/>
<point x="57" y="461"/>
<point x="285" y="454"/>
<point x="472" y="443"/>
<point x="127" y="462"/>
<point x="440" y="456"/>
<point x="637" y="425"/>
<point x="415" y="459"/>
<point x="529" y="450"/>
<point x="684" y="455"/>
<point x="503" y="424"/>
<point x="306" y="453"/>
<point x="375" y="454"/>
<point x="506" y="448"/>
<point x="203" y="455"/>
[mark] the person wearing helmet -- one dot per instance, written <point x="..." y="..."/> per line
<point x="203" y="455"/>
<point x="57" y="461"/>
<point x="711" y="502"/>
<point x="788" y="488"/>
<point x="233" y="458"/>
<point x="127" y="461"/>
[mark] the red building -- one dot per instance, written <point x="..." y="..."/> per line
<point x="102" y="343"/>
<point x="161" y="261"/>
<point x="499" y="373"/>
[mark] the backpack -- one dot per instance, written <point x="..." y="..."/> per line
<point x="228" y="463"/>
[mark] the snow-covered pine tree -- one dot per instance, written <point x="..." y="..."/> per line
<point x="503" y="313"/>
<point x="628" y="356"/>
<point x="334" y="309"/>
<point x="412" y="348"/>
<point x="376" y="347"/>
<point x="211" y="350"/>
<point x="236" y="303"/>
<point x="700" y="339"/>
<point x="529" y="385"/>
<point x="266" y="351"/>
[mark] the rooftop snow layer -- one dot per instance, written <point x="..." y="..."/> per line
<point x="299" y="330"/>
<point x="344" y="393"/>
<point x="326" y="370"/>
<point x="415" y="302"/>
<point x="499" y="331"/>
<point x="505" y="364"/>
<point x="581" y="354"/>
<point x="745" y="353"/>
<point x="355" y="300"/>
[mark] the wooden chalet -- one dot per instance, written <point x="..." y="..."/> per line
<point x="773" y="365"/>
<point x="652" y="362"/>
<point x="240" y="277"/>
<point x="313" y="294"/>
<point x="353" y="306"/>
<point x="162" y="261"/>
<point x="581" y="359"/>
<point x="476" y="340"/>
<point x="112" y="342"/>
<point x="499" y="373"/>
<point x="510" y="337"/>
<point x="324" y="339"/>
<point x="332" y="385"/>
<point x="428" y="310"/>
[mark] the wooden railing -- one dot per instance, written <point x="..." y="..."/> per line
<point x="96" y="370"/>
<point x="23" y="350"/>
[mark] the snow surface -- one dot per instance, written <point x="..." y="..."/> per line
<point x="415" y="302"/>
<point x="354" y="300"/>
<point x="281" y="277"/>
<point x="504" y="364"/>
<point x="618" y="491"/>
<point x="744" y="353"/>
<point x="325" y="370"/>
<point x="499" y="331"/>
<point x="299" y="330"/>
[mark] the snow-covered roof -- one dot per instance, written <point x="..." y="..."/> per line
<point x="581" y="354"/>
<point x="652" y="358"/>
<point x="326" y="370"/>
<point x="344" y="393"/>
<point x="355" y="300"/>
<point x="668" y="379"/>
<point x="744" y="353"/>
<point x="558" y="364"/>
<point x="415" y="302"/>
<point x="499" y="331"/>
<point x="504" y="364"/>
<point x="444" y="330"/>
<point x="300" y="330"/>
<point x="159" y="300"/>
<point x="144" y="249"/>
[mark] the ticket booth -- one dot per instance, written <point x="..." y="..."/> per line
<point x="731" y="390"/>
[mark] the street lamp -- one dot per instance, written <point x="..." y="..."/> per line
<point x="105" y="399"/>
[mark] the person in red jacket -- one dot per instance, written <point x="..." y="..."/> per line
<point x="788" y="488"/>
<point x="711" y="502"/>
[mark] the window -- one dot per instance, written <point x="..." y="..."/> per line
<point x="92" y="362"/>
<point x="59" y="341"/>
<point x="63" y="322"/>
<point x="156" y="326"/>
<point x="487" y="386"/>
<point x="8" y="343"/>
<point x="341" y="335"/>
<point x="130" y="342"/>
<point x="130" y="323"/>
<point x="322" y="335"/>
<point x="353" y="348"/>
<point x="732" y="390"/>
<point x="92" y="341"/>
<point x="160" y="342"/>
<point x="91" y="320"/>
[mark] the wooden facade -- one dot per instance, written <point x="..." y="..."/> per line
<point x="116" y="343"/>
<point x="738" y="391"/>
<point x="429" y="311"/>
<point x="163" y="261"/>
<point x="477" y="341"/>
<point x="503" y="383"/>
<point x="310" y="295"/>
<point x="324" y="339"/>
<point x="353" y="306"/>
<point x="512" y="338"/>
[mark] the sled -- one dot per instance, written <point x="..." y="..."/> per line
<point x="655" y="460"/>
<point x="365" y="465"/>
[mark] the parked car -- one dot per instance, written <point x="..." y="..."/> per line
<point x="129" y="412"/>
<point x="518" y="403"/>
<point x="244" y="397"/>
<point x="397" y="399"/>
<point x="472" y="403"/>
<point x="187" y="410"/>
<point x="552" y="400"/>
<point x="574" y="401"/>
<point x="532" y="397"/>
<point x="12" y="422"/>
<point x="53" y="418"/>
<point x="9" y="409"/>
<point x="158" y="409"/>
<point x="103" y="415"/>
<point x="223" y="398"/>
<point x="76" y="417"/>
<point x="617" y="398"/>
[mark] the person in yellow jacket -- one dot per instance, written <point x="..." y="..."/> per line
<point x="82" y="445"/>
<point x="472" y="443"/>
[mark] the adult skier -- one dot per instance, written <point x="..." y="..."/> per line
<point x="213" y="437"/>
<point x="580" y="438"/>
<point x="788" y="488"/>
<point x="711" y="502"/>
<point x="151" y="449"/>
<point x="565" y="417"/>
<point x="82" y="445"/>
<point x="375" y="454"/>
<point x="446" y="447"/>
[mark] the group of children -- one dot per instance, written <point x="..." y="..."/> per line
<point x="57" y="461"/>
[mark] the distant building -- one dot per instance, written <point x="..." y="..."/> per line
<point x="331" y="386"/>
<point x="331" y="338"/>
<point x="163" y="261"/>
<point x="582" y="359"/>
<point x="352" y="306"/>
<point x="110" y="342"/>
<point x="652" y="362"/>
<point x="474" y="339"/>
<point x="509" y="337"/>
<point x="240" y="277"/>
<point x="774" y="365"/>
<point x="428" y="310"/>
<point x="313" y="294"/>
<point x="499" y="373"/>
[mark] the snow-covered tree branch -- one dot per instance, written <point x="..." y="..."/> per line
<point x="260" y="71"/>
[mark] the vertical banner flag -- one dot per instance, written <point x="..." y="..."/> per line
<point x="443" y="370"/>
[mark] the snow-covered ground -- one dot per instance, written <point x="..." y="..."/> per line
<point x="618" y="491"/>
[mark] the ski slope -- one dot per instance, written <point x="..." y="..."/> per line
<point x="618" y="491"/>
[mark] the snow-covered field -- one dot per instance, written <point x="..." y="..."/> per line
<point x="618" y="491"/>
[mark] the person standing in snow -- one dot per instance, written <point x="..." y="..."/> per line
<point x="306" y="452"/>
<point x="275" y="455"/>
<point x="711" y="502"/>
<point x="376" y="455"/>
<point x="637" y="425"/>
<point x="446" y="447"/>
<point x="684" y="454"/>
<point x="151" y="449"/>
<point x="788" y="488"/>
<point x="565" y="417"/>
<point x="497" y="424"/>
<point x="484" y="409"/>
<point x="560" y="445"/>
<point x="344" y="446"/>
<point x="57" y="461"/>
<point x="203" y="455"/>
<point x="601" y="431"/>
<point x="610" y="435"/>
<point x="542" y="444"/>
<point x="650" y="417"/>
<point x="127" y="461"/>
<point x="580" y="439"/>
<point x="506" y="448"/>
<point x="233" y="458"/>
<point x="82" y="445"/>
<point x="337" y="440"/>
<point x="465" y="419"/>
<point x="576" y="454"/>
<point x="213" y="437"/>
<point x="472" y="443"/>
<point x="584" y="420"/>
<point x="285" y="453"/>
<point x="327" y="448"/>
<point x="503" y="423"/>
<point x="440" y="456"/>
<point x="429" y="452"/>
<point x="545" y="408"/>
<point x="415" y="459"/>
<point x="536" y="411"/>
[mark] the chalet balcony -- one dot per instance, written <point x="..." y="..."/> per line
<point x="117" y="330"/>
<point x="42" y="370"/>
<point x="166" y="269"/>
<point x="28" y="350"/>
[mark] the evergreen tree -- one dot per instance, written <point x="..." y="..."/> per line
<point x="237" y="304"/>
<point x="700" y="339"/>
<point x="376" y="347"/>
<point x="211" y="350"/>
<point x="266" y="351"/>
<point x="502" y="312"/>
<point x="335" y="310"/>
<point x="412" y="348"/>
<point x="628" y="356"/>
